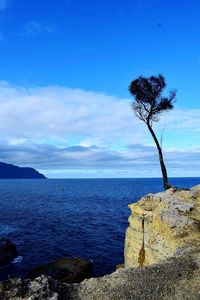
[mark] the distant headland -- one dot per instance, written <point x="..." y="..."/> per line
<point x="8" y="171"/>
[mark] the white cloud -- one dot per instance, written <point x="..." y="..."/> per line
<point x="78" y="161"/>
<point x="57" y="128"/>
<point x="184" y="120"/>
<point x="62" y="113"/>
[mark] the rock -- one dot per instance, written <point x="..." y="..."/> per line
<point x="68" y="270"/>
<point x="40" y="288"/>
<point x="164" y="228"/>
<point x="8" y="251"/>
<point x="162" y="225"/>
<point x="119" y="266"/>
<point x="176" y="278"/>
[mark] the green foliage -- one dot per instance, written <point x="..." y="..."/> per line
<point x="149" y="102"/>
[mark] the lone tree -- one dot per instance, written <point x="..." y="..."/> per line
<point x="149" y="104"/>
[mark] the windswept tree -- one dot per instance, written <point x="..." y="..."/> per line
<point x="149" y="104"/>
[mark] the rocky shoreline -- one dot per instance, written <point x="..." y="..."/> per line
<point x="162" y="257"/>
<point x="176" y="278"/>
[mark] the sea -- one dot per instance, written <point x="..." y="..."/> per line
<point x="86" y="218"/>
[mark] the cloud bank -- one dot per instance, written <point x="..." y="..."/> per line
<point x="75" y="133"/>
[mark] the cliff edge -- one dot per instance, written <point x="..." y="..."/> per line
<point x="163" y="225"/>
<point x="162" y="257"/>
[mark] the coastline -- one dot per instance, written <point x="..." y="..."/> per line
<point x="175" y="275"/>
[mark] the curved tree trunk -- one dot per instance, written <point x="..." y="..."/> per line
<point x="162" y="164"/>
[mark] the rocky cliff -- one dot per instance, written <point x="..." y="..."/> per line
<point x="163" y="225"/>
<point x="162" y="257"/>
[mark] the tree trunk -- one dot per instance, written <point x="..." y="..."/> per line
<point x="162" y="164"/>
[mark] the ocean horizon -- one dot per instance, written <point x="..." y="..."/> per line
<point x="85" y="218"/>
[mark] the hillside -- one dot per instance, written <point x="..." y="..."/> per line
<point x="8" y="171"/>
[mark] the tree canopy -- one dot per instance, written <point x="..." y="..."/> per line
<point x="149" y="102"/>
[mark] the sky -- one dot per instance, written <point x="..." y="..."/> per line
<point x="65" y="68"/>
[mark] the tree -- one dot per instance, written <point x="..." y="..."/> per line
<point x="149" y="104"/>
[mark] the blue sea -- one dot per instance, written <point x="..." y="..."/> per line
<point x="86" y="218"/>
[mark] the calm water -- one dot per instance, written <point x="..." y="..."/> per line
<point x="86" y="218"/>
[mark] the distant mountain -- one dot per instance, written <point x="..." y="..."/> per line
<point x="8" y="171"/>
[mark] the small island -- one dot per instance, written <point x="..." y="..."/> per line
<point x="8" y="171"/>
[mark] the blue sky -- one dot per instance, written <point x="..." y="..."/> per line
<point x="64" y="70"/>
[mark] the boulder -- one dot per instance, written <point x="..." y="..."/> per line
<point x="8" y="251"/>
<point x="69" y="270"/>
<point x="175" y="278"/>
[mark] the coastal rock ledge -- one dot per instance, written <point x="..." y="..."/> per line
<point x="162" y="257"/>
<point x="163" y="225"/>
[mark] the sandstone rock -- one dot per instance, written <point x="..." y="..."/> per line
<point x="119" y="266"/>
<point x="162" y="225"/>
<point x="68" y="270"/>
<point x="8" y="251"/>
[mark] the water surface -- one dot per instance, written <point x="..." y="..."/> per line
<point x="86" y="218"/>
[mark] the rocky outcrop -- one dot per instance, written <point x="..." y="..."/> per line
<point x="162" y="257"/>
<point x="8" y="251"/>
<point x="174" y="279"/>
<point x="68" y="270"/>
<point x="163" y="225"/>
